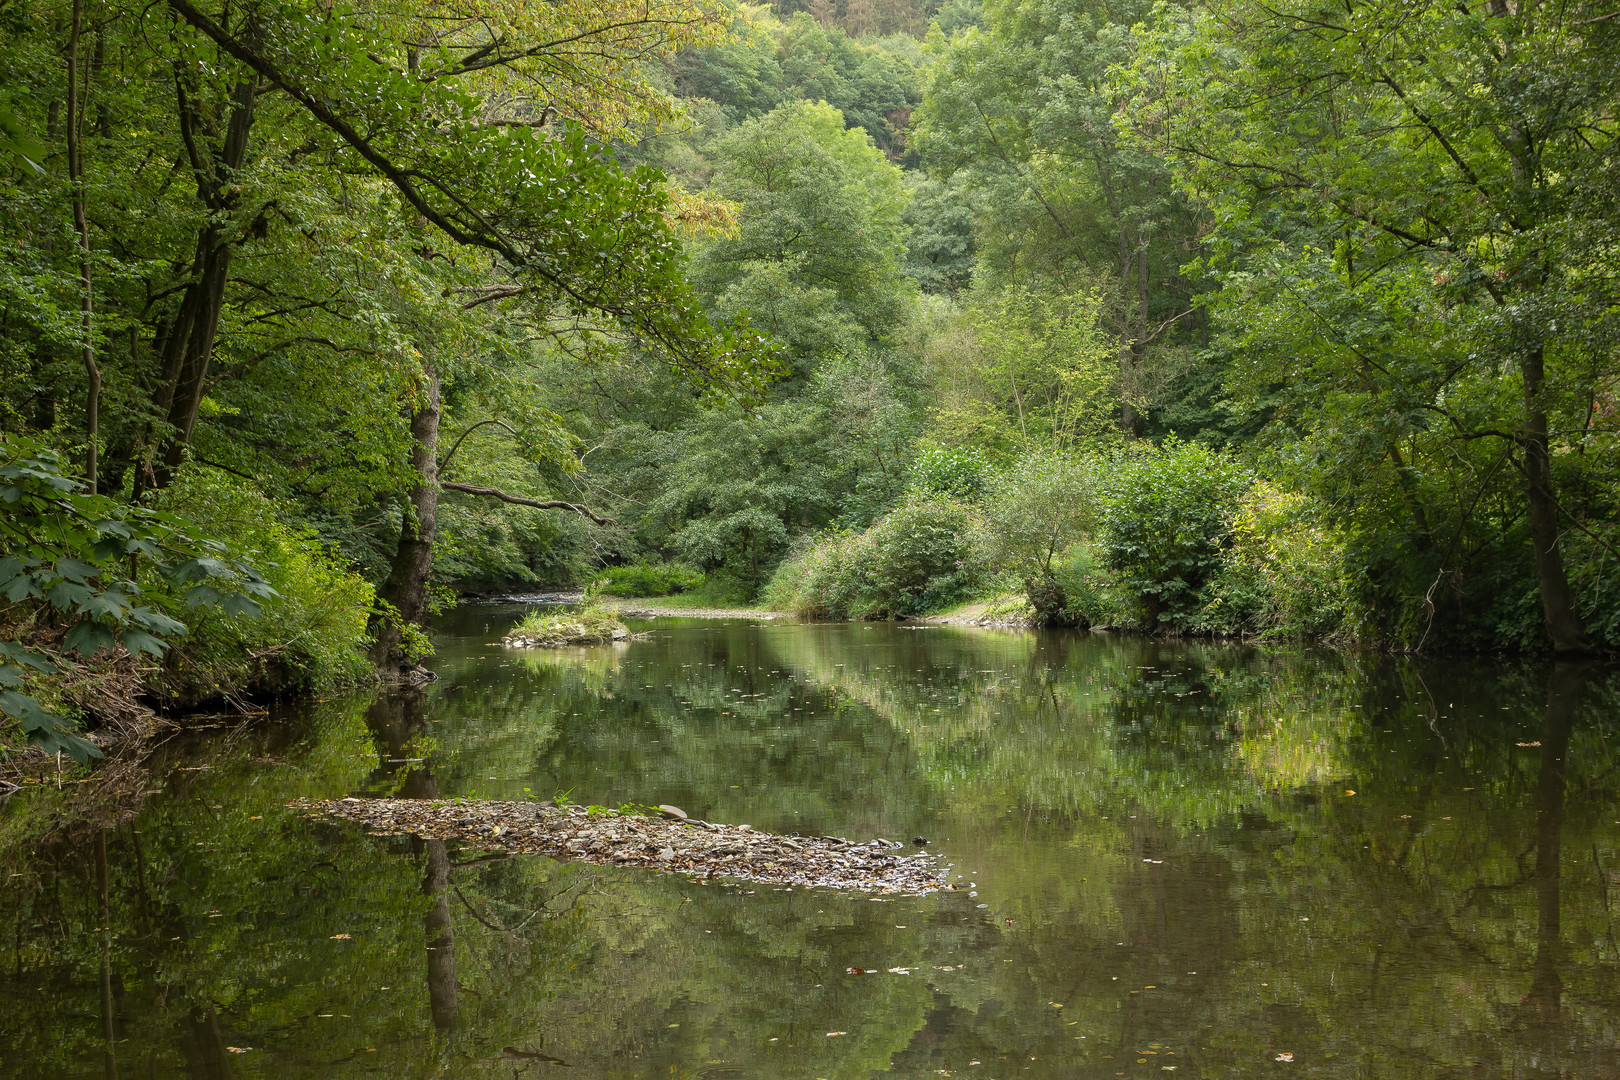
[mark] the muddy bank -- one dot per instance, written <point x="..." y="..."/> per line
<point x="672" y="843"/>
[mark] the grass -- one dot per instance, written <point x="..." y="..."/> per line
<point x="592" y="624"/>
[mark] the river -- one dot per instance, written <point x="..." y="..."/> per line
<point x="1173" y="859"/>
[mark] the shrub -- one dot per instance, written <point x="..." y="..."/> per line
<point x="1090" y="596"/>
<point x="951" y="472"/>
<point x="310" y="635"/>
<point x="1284" y="575"/>
<point x="919" y="558"/>
<point x="88" y="586"/>
<point x="1040" y="508"/>
<point x="648" y="579"/>
<point x="1167" y="518"/>
<point x="822" y="580"/>
<point x="916" y="558"/>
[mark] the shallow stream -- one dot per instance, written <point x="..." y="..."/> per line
<point x="1172" y="859"/>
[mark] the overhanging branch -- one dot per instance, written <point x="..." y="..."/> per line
<point x="518" y="500"/>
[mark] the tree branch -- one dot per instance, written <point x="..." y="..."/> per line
<point x="518" y="500"/>
<point x="444" y="466"/>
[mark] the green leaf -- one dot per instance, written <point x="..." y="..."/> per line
<point x="89" y="637"/>
<point x="66" y="595"/>
<point x="25" y="657"/>
<point x="139" y="641"/>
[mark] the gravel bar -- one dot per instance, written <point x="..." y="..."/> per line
<point x="672" y="842"/>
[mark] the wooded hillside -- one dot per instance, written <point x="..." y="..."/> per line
<point x="1193" y="317"/>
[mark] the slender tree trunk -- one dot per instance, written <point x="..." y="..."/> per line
<point x="1127" y="349"/>
<point x="1557" y="599"/>
<point x="98" y="62"/>
<point x="188" y="340"/>
<point x="92" y="371"/>
<point x="406" y="586"/>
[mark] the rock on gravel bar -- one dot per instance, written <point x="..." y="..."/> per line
<point x="668" y="843"/>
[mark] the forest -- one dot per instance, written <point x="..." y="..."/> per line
<point x="1293" y="321"/>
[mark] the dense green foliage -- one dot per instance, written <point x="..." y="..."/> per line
<point x="84" y="579"/>
<point x="647" y="579"/>
<point x="915" y="558"/>
<point x="1165" y="523"/>
<point x="713" y="281"/>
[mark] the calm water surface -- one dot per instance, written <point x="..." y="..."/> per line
<point x="1175" y="860"/>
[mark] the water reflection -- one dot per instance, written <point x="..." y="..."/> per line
<point x="396" y="717"/>
<point x="1199" y="859"/>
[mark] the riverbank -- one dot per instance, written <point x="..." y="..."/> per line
<point x="1011" y="612"/>
<point x="685" y="607"/>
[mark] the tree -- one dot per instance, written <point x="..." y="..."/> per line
<point x="1045" y="503"/>
<point x="818" y="237"/>
<point x="1418" y="194"/>
<point x="1023" y="369"/>
<point x="1020" y="114"/>
<point x="266" y="190"/>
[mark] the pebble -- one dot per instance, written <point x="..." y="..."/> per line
<point x="669" y="842"/>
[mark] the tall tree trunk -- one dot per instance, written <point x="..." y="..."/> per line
<point x="75" y="153"/>
<point x="1557" y="599"/>
<point x="406" y="586"/>
<point x="188" y="339"/>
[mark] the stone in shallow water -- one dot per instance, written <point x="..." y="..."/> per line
<point x="682" y="845"/>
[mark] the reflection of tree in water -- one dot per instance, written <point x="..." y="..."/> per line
<point x="1565" y="689"/>
<point x="1478" y="944"/>
<point x="1233" y="769"/>
<point x="396" y="717"/>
